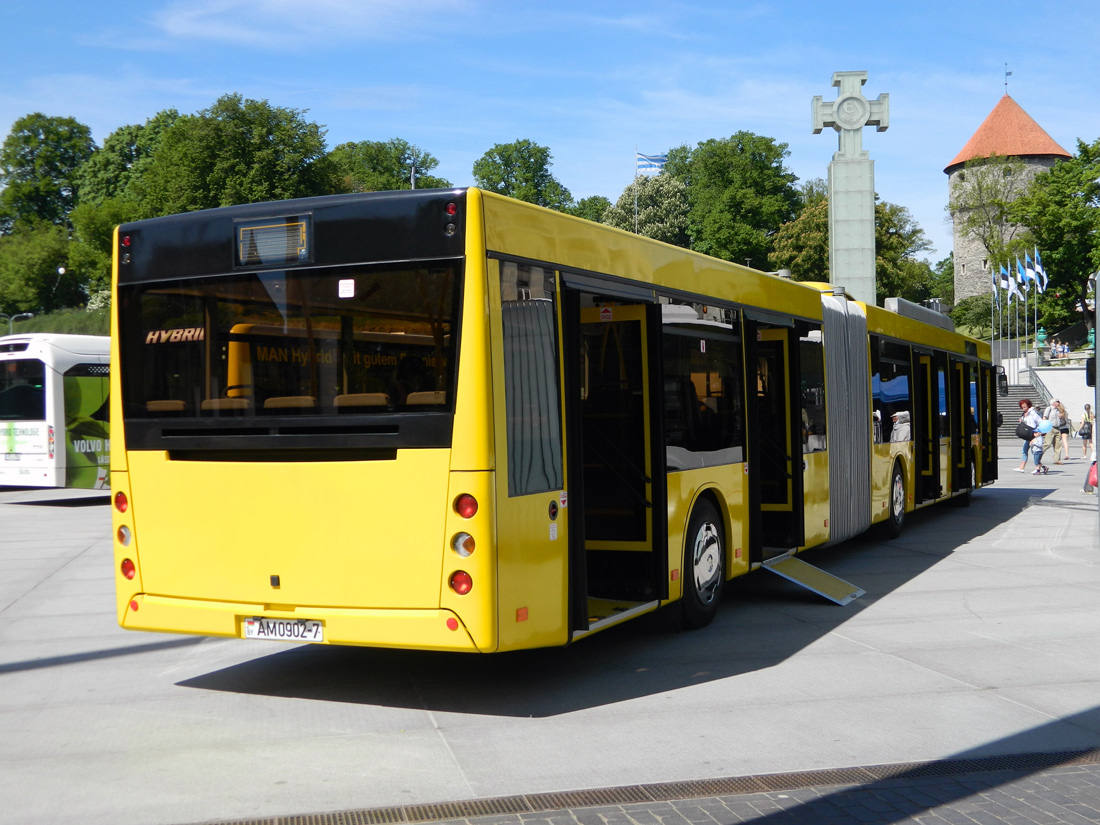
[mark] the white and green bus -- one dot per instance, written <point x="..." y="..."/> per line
<point x="54" y="428"/>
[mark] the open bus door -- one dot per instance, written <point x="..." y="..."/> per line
<point x="615" y="461"/>
<point x="775" y="444"/>
<point x="961" y="421"/>
<point x="926" y="429"/>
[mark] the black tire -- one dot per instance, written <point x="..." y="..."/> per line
<point x="704" y="567"/>
<point x="896" y="500"/>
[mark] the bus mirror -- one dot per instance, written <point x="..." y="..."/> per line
<point x="1090" y="371"/>
<point x="1002" y="384"/>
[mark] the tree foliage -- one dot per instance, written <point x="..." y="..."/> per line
<point x="30" y="260"/>
<point x="591" y="208"/>
<point x="802" y="246"/>
<point x="1061" y="209"/>
<point x="125" y="155"/>
<point x="739" y="194"/>
<point x="382" y="166"/>
<point x="521" y="170"/>
<point x="662" y="202"/>
<point x="237" y="151"/>
<point x="980" y="199"/>
<point x="38" y="160"/>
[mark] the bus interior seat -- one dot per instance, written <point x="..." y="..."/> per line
<point x="354" y="400"/>
<point x="290" y="402"/>
<point x="166" y="405"/>
<point x="226" y="404"/>
<point x="429" y="397"/>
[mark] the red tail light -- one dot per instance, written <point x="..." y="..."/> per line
<point x="128" y="568"/>
<point x="466" y="505"/>
<point x="121" y="502"/>
<point x="461" y="582"/>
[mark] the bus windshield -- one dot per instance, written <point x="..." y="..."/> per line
<point x="330" y="341"/>
<point x="22" y="390"/>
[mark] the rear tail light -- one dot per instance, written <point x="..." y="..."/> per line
<point x="128" y="568"/>
<point x="124" y="536"/>
<point x="121" y="502"/>
<point x="461" y="582"/>
<point x="466" y="505"/>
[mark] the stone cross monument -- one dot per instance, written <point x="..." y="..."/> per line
<point x="852" y="183"/>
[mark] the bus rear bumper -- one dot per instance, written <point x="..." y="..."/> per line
<point x="422" y="629"/>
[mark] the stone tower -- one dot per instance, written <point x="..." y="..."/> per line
<point x="1008" y="131"/>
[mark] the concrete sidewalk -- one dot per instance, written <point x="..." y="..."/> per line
<point x="978" y="639"/>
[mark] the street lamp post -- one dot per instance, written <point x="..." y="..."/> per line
<point x="11" y="319"/>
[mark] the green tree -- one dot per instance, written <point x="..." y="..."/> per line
<point x="383" y="166"/>
<point x="975" y="315"/>
<point x="521" y="170"/>
<point x="739" y="193"/>
<point x="898" y="241"/>
<point x="980" y="197"/>
<point x="31" y="260"/>
<point x="93" y="241"/>
<point x="1061" y="209"/>
<point x="802" y="246"/>
<point x="237" y="151"/>
<point x="943" y="279"/>
<point x="662" y="214"/>
<point x="37" y="164"/>
<point x="125" y="155"/>
<point x="591" y="208"/>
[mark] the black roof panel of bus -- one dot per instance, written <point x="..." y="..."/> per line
<point x="346" y="229"/>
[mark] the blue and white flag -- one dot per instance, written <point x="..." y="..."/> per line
<point x="1041" y="274"/>
<point x="1029" y="270"/>
<point x="1010" y="284"/>
<point x="1021" y="278"/>
<point x="996" y="292"/>
<point x="649" y="161"/>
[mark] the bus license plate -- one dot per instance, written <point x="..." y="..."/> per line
<point x="284" y="630"/>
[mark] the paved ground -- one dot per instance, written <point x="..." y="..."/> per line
<point x="977" y="643"/>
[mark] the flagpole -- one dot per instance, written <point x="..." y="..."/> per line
<point x="635" y="189"/>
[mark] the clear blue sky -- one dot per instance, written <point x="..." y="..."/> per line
<point x="591" y="80"/>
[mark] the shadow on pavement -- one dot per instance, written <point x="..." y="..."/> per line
<point x="763" y="621"/>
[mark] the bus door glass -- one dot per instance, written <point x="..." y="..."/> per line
<point x="778" y="445"/>
<point x="962" y="424"/>
<point x="987" y="419"/>
<point x="610" y="437"/>
<point x="926" y="432"/>
<point x="943" y="419"/>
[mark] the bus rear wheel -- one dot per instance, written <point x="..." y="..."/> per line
<point x="704" y="566"/>
<point x="894" y="523"/>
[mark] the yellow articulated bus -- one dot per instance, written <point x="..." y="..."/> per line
<point x="449" y="420"/>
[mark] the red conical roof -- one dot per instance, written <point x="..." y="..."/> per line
<point x="1008" y="131"/>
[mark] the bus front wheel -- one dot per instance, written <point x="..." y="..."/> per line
<point x="704" y="566"/>
<point x="897" y="503"/>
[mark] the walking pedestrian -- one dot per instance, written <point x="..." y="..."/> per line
<point x="1058" y="438"/>
<point x="1084" y="432"/>
<point x="1029" y="417"/>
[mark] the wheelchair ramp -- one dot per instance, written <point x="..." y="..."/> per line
<point x="815" y="579"/>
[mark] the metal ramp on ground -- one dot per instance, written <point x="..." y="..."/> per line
<point x="814" y="579"/>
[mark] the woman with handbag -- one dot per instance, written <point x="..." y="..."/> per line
<point x="1026" y="429"/>
<point x="1084" y="432"/>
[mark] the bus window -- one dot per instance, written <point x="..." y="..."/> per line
<point x="704" y="423"/>
<point x="22" y="390"/>
<point x="890" y="387"/>
<point x="316" y="342"/>
<point x="531" y="378"/>
<point x="811" y="367"/>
